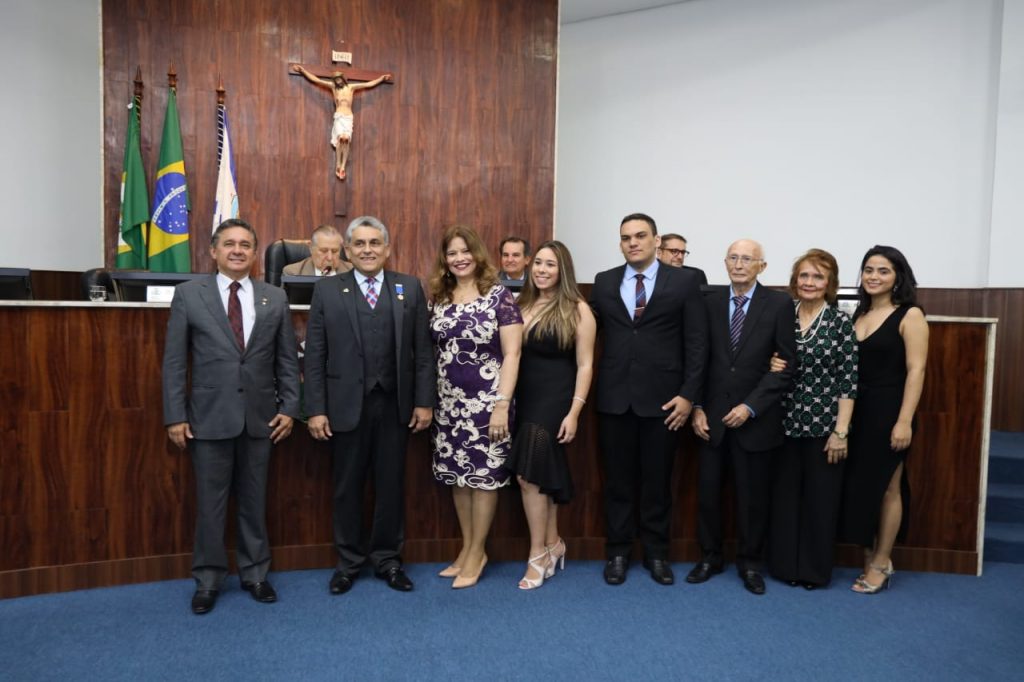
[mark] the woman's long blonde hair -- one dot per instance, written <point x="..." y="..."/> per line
<point x="442" y="282"/>
<point x="561" y="316"/>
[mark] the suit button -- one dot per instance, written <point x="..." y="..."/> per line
<point x="241" y="390"/>
<point x="732" y="369"/>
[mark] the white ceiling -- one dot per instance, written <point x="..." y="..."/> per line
<point x="581" y="10"/>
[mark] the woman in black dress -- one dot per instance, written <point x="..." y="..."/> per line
<point x="555" y="369"/>
<point x="809" y="470"/>
<point x="893" y="337"/>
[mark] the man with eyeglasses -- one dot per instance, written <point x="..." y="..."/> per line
<point x="738" y="413"/>
<point x="673" y="252"/>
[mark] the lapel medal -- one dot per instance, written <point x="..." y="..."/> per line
<point x="400" y="290"/>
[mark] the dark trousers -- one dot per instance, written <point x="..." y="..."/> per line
<point x="241" y="462"/>
<point x="752" y="475"/>
<point x="637" y="449"/>
<point x="805" y="511"/>
<point x="378" y="443"/>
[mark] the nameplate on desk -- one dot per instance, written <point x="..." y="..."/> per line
<point x="159" y="294"/>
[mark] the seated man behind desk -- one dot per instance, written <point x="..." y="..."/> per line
<point x="324" y="255"/>
<point x="673" y="252"/>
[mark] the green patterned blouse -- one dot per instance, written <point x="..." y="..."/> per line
<point x="827" y="354"/>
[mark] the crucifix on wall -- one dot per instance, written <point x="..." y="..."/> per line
<point x="343" y="86"/>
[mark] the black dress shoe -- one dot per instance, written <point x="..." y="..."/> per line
<point x="203" y="601"/>
<point x="615" y="570"/>
<point x="340" y="583"/>
<point x="660" y="570"/>
<point x="261" y="591"/>
<point x="396" y="579"/>
<point x="753" y="581"/>
<point x="702" y="572"/>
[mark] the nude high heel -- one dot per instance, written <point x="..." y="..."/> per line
<point x="541" y="570"/>
<point x="450" y="572"/>
<point x="462" y="581"/>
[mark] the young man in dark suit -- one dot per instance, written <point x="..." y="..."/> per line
<point x="740" y="412"/>
<point x="238" y="333"/>
<point x="370" y="380"/>
<point x="654" y="330"/>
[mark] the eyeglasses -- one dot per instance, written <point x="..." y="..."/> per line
<point x="746" y="260"/>
<point x="675" y="252"/>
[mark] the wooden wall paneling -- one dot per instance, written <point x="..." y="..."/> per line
<point x="90" y="485"/>
<point x="439" y="117"/>
<point x="1008" y="403"/>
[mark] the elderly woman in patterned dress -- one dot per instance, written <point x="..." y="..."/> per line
<point x="809" y="482"/>
<point x="477" y="330"/>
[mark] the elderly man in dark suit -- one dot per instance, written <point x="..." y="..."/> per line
<point x="324" y="257"/>
<point x="244" y="395"/>
<point x="370" y="380"/>
<point x="654" y="329"/>
<point x="740" y="413"/>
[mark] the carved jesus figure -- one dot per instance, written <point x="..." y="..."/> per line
<point x="341" y="130"/>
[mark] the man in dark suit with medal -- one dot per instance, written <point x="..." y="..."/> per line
<point x="244" y="394"/>
<point x="740" y="412"/>
<point x="369" y="381"/>
<point x="654" y="342"/>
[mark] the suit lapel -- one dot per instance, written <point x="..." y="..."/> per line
<point x="660" y="282"/>
<point x="619" y="306"/>
<point x="348" y="289"/>
<point x="396" y="291"/>
<point x="260" y="303"/>
<point x="753" y="313"/>
<point x="211" y="297"/>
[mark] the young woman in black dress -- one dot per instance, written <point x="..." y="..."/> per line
<point x="893" y="337"/>
<point x="555" y="370"/>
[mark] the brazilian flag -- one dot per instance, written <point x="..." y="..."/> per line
<point x="134" y="219"/>
<point x="168" y="236"/>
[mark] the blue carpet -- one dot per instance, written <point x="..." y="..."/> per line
<point x="928" y="627"/>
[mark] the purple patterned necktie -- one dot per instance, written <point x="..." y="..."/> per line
<point x="736" y="325"/>
<point x="371" y="293"/>
<point x="235" y="314"/>
<point x="641" y="298"/>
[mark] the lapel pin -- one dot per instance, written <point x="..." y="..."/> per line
<point x="263" y="301"/>
<point x="400" y="290"/>
<point x="345" y="290"/>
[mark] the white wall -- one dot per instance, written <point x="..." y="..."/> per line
<point x="1007" y="244"/>
<point x="799" y="123"/>
<point x="51" y="135"/>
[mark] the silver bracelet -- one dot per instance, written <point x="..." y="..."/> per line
<point x="576" y="397"/>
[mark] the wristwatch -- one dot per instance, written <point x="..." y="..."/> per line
<point x="841" y="435"/>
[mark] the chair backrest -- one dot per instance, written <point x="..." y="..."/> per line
<point x="98" y="277"/>
<point x="281" y="253"/>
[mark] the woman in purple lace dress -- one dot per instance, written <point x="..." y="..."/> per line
<point x="477" y="331"/>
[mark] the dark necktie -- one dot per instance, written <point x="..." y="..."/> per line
<point x="371" y="293"/>
<point x="641" y="298"/>
<point x="736" y="325"/>
<point x="235" y="314"/>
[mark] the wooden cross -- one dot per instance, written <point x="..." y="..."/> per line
<point x="351" y="75"/>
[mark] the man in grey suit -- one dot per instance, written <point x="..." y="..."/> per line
<point x="244" y="395"/>
<point x="370" y="380"/>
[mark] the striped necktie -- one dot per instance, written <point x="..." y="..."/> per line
<point x="641" y="298"/>
<point x="371" y="293"/>
<point x="736" y="325"/>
